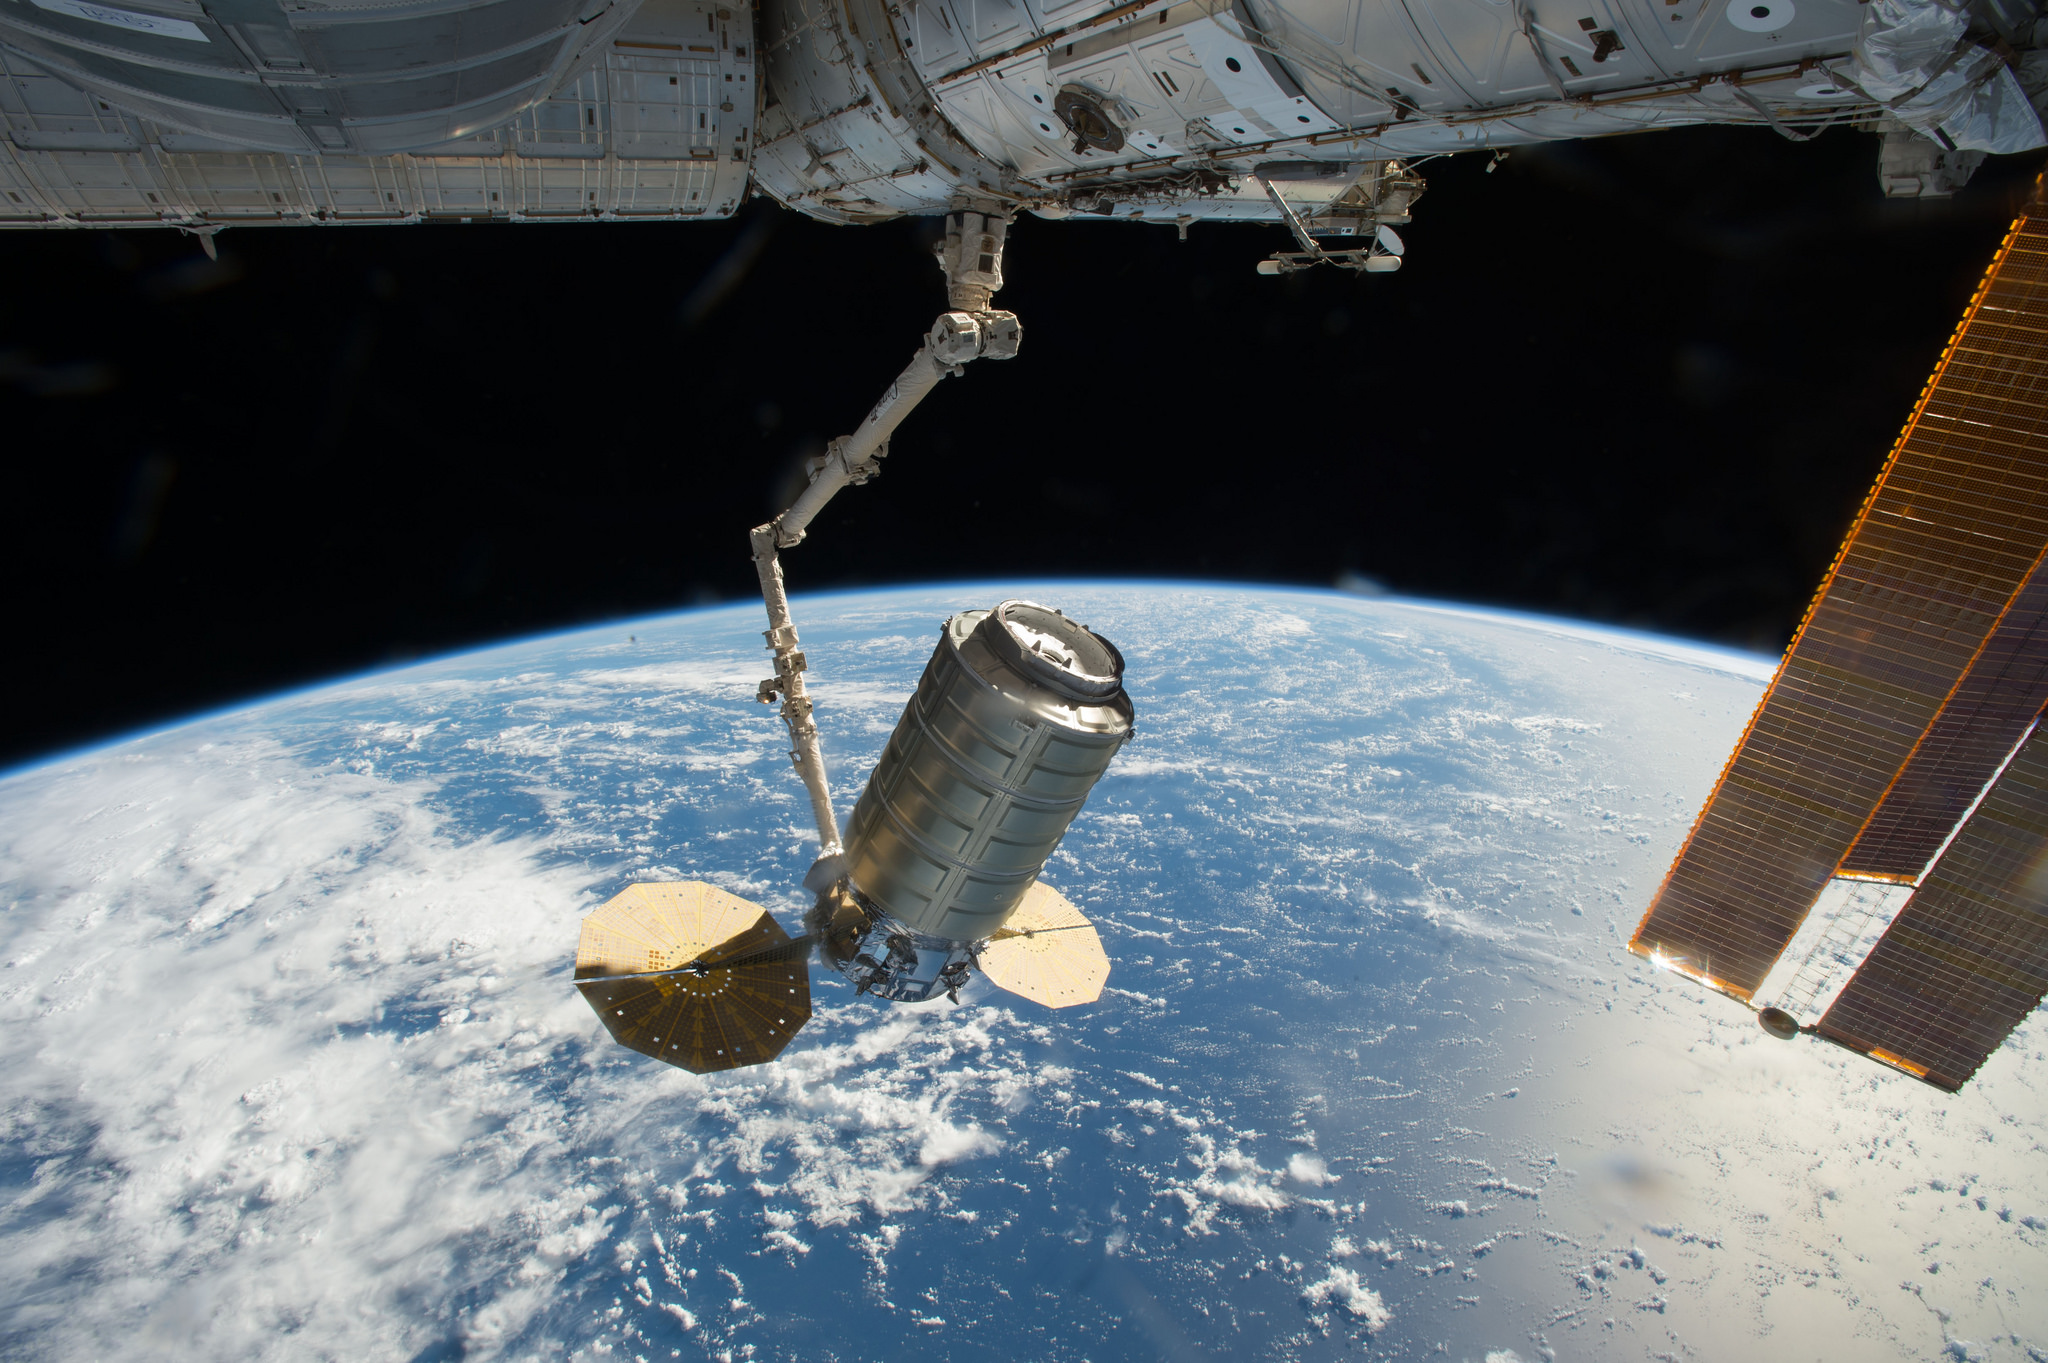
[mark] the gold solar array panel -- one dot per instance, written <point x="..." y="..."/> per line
<point x="1988" y="713"/>
<point x="1047" y="951"/>
<point x="1916" y="669"/>
<point x="688" y="974"/>
<point x="659" y="925"/>
<point x="1967" y="959"/>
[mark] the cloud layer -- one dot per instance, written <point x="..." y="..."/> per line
<point x="290" y="1065"/>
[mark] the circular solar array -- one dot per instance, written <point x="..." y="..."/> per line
<point x="689" y="974"/>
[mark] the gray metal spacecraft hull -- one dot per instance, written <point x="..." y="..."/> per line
<point x="1015" y="719"/>
<point x="202" y="114"/>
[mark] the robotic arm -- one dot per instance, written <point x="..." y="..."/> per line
<point x="972" y="257"/>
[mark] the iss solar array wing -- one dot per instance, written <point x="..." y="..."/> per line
<point x="1873" y="864"/>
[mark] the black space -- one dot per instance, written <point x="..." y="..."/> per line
<point x="1643" y="380"/>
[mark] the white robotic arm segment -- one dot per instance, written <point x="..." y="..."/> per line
<point x="955" y="339"/>
<point x="972" y="258"/>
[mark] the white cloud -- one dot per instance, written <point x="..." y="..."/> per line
<point x="1224" y="1177"/>
<point x="1305" y="1168"/>
<point x="318" y="1072"/>
<point x="294" y="1021"/>
<point x="1343" y="1287"/>
<point x="297" y="1060"/>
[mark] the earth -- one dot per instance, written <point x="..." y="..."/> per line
<point x="291" y="1065"/>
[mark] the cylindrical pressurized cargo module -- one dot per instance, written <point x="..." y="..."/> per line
<point x="1016" y="717"/>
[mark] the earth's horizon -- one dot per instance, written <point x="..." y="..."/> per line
<point x="292" y="1066"/>
<point x="971" y="589"/>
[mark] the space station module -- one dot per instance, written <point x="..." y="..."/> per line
<point x="206" y="114"/>
<point x="1016" y="717"/>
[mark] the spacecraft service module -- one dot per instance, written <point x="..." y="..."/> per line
<point x="1873" y="865"/>
<point x="1310" y="114"/>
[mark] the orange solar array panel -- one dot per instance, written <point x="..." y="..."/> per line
<point x="1918" y="667"/>
<point x="1967" y="959"/>
<point x="1988" y="713"/>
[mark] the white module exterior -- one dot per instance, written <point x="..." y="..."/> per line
<point x="305" y="76"/>
<point x="895" y="110"/>
<point x="864" y="110"/>
<point x="659" y="125"/>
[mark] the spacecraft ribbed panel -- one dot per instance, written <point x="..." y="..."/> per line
<point x="647" y="129"/>
<point x="311" y="79"/>
<point x="1944" y="542"/>
<point x="1016" y="717"/>
<point x="1047" y="952"/>
<point x="746" y="994"/>
<point x="1967" y="958"/>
